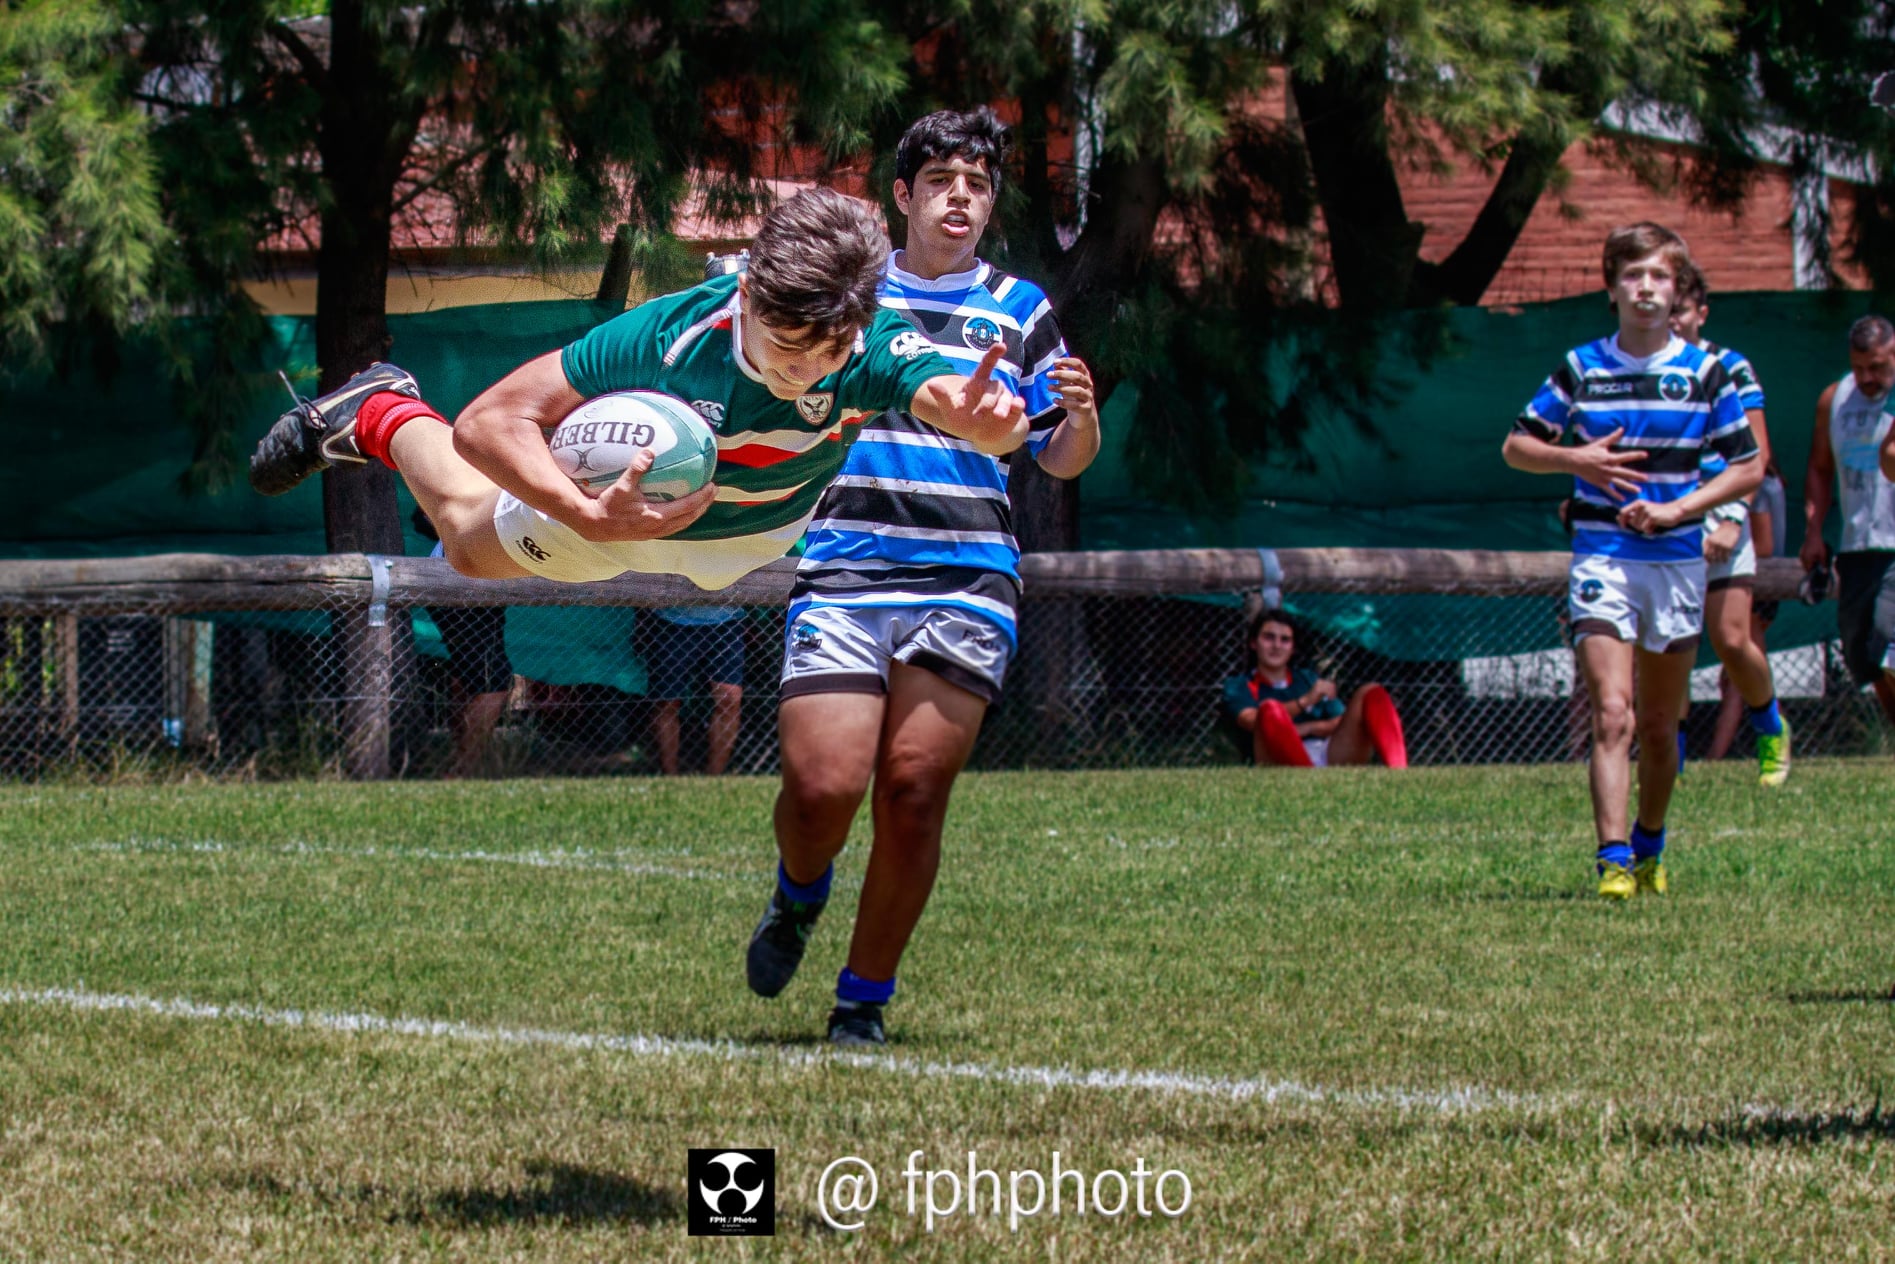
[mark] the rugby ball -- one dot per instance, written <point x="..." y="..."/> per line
<point x="598" y="439"/>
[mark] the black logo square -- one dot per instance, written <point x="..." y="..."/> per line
<point x="732" y="1193"/>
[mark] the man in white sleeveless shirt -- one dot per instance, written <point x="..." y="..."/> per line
<point x="1852" y="427"/>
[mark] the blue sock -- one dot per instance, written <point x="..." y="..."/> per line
<point x="1766" y="719"/>
<point x="853" y="989"/>
<point x="1681" y="747"/>
<point x="812" y="893"/>
<point x="1619" y="854"/>
<point x="1647" y="844"/>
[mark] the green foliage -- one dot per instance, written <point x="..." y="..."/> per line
<point x="157" y="147"/>
<point x="81" y="230"/>
<point x="1794" y="87"/>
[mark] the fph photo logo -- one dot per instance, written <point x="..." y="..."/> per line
<point x="732" y="1193"/>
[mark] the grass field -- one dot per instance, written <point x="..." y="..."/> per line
<point x="1366" y="1015"/>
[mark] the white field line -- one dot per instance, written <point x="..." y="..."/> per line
<point x="609" y="862"/>
<point x="1440" y="1101"/>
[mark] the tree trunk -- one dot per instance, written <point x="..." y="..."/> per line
<point x="1372" y="244"/>
<point x="1085" y="292"/>
<point x="1374" y="249"/>
<point x="362" y="144"/>
<point x="1090" y="280"/>
<point x="1463" y="277"/>
<point x="366" y="133"/>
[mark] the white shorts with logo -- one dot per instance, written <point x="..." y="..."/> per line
<point x="1657" y="606"/>
<point x="552" y="550"/>
<point x="847" y="649"/>
<point x="1739" y="567"/>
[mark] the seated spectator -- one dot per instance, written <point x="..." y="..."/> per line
<point x="696" y="647"/>
<point x="1296" y="719"/>
<point x="481" y="678"/>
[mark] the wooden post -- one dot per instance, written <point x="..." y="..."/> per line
<point x="187" y="680"/>
<point x="368" y="674"/>
<point x="64" y="631"/>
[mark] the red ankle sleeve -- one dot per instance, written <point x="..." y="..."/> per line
<point x="380" y="416"/>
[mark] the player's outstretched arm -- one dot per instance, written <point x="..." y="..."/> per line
<point x="977" y="409"/>
<point x="503" y="435"/>
<point x="1888" y="455"/>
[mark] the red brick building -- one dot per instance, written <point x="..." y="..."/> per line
<point x="1556" y="255"/>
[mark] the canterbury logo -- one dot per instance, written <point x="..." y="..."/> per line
<point x="908" y="344"/>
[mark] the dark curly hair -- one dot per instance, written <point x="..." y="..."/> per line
<point x="815" y="263"/>
<point x="977" y="135"/>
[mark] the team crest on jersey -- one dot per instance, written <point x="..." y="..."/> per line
<point x="814" y="407"/>
<point x="1674" y="386"/>
<point x="980" y="333"/>
<point x="709" y="409"/>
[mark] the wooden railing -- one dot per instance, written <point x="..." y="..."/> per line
<point x="358" y="589"/>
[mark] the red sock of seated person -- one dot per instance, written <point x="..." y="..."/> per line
<point x="1277" y="736"/>
<point x="1385" y="727"/>
<point x="380" y="416"/>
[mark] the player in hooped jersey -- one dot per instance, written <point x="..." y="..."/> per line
<point x="785" y="363"/>
<point x="901" y="622"/>
<point x="1641" y="407"/>
<point x="1729" y="553"/>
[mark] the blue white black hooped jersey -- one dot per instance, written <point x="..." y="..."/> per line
<point x="1743" y="377"/>
<point x="1749" y="394"/>
<point x="917" y="516"/>
<point x="1675" y="406"/>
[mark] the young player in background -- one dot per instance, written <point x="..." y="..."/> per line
<point x="1641" y="407"/>
<point x="1730" y="552"/>
<point x="901" y="623"/>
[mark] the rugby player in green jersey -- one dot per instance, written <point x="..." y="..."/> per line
<point x="785" y="362"/>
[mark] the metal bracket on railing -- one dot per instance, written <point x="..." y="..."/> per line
<point x="379" y="568"/>
<point x="1272" y="592"/>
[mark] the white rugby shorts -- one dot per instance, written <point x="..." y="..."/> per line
<point x="847" y="649"/>
<point x="551" y="549"/>
<point x="1658" y="606"/>
<point x="1740" y="566"/>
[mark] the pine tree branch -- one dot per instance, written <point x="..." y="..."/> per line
<point x="441" y="176"/>
<point x="314" y="72"/>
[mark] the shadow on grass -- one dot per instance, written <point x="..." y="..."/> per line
<point x="553" y="1193"/>
<point x="1531" y="895"/>
<point x="1783" y="1128"/>
<point x="1841" y="996"/>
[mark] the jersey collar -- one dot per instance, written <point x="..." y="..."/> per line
<point x="735" y="310"/>
<point x="1671" y="348"/>
<point x="952" y="282"/>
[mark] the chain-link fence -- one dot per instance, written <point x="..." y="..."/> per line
<point x="351" y="666"/>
